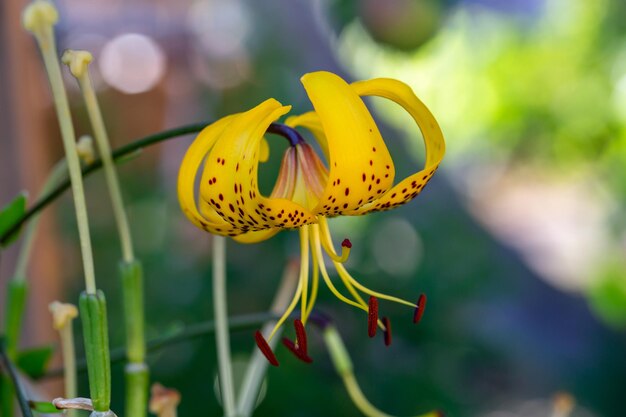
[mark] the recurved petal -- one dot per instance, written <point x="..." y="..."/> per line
<point x="230" y="183"/>
<point x="360" y="167"/>
<point x="434" y="143"/>
<point x="207" y="220"/>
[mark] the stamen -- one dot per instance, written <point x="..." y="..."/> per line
<point x="296" y="351"/>
<point x="304" y="254"/>
<point x="300" y="336"/>
<point x="314" y="288"/>
<point x="316" y="250"/>
<point x="387" y="325"/>
<point x="327" y="243"/>
<point x="419" y="309"/>
<point x="287" y="132"/>
<point x="372" y="317"/>
<point x="265" y="349"/>
<point x="343" y="273"/>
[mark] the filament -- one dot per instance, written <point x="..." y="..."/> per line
<point x="314" y="288"/>
<point x="327" y="243"/>
<point x="317" y="257"/>
<point x="325" y="232"/>
<point x="304" y="246"/>
<point x="346" y="275"/>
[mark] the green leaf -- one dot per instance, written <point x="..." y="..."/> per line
<point x="44" y="407"/>
<point x="34" y="362"/>
<point x="10" y="214"/>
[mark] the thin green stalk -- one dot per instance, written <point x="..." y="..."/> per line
<point x="39" y="18"/>
<point x="243" y="322"/>
<point x="78" y="63"/>
<point x="118" y="155"/>
<point x="343" y="365"/>
<point x="136" y="371"/>
<point x="69" y="363"/>
<point x="17" y="291"/>
<point x="59" y="171"/>
<point x="221" y="326"/>
<point x="7" y="364"/>
<point x="257" y="366"/>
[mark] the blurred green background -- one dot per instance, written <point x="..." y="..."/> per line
<point x="518" y="242"/>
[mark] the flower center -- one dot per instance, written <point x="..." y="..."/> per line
<point x="302" y="175"/>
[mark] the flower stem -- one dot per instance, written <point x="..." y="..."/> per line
<point x="257" y="367"/>
<point x="42" y="28"/>
<point x="120" y="154"/>
<point x="343" y="365"/>
<point x="69" y="364"/>
<point x="221" y="326"/>
<point x="104" y="148"/>
<point x="136" y="371"/>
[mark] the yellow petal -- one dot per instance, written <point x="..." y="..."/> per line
<point x="208" y="220"/>
<point x="410" y="187"/>
<point x="360" y="167"/>
<point x="264" y="150"/>
<point x="230" y="183"/>
<point x="311" y="121"/>
<point x="256" y="237"/>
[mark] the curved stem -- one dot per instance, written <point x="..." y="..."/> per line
<point x="118" y="154"/>
<point x="222" y="336"/>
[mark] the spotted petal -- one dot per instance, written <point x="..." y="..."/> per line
<point x="230" y="183"/>
<point x="360" y="167"/>
<point x="207" y="218"/>
<point x="410" y="187"/>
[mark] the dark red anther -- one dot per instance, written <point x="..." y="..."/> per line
<point x="387" y="325"/>
<point x="265" y="349"/>
<point x="419" y="310"/>
<point x="372" y="316"/>
<point x="297" y="351"/>
<point x="346" y="243"/>
<point x="301" y="336"/>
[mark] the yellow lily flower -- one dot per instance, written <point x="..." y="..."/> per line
<point x="358" y="178"/>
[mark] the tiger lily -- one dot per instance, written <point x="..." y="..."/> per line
<point x="358" y="178"/>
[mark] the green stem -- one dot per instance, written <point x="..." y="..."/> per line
<point x="94" y="318"/>
<point x="136" y="371"/>
<point x="221" y="326"/>
<point x="243" y="322"/>
<point x="118" y="155"/>
<point x="7" y="364"/>
<point x="249" y="391"/>
<point x="102" y="142"/>
<point x="59" y="171"/>
<point x="47" y="46"/>
<point x="69" y="363"/>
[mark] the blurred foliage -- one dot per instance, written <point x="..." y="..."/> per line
<point x="9" y="214"/>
